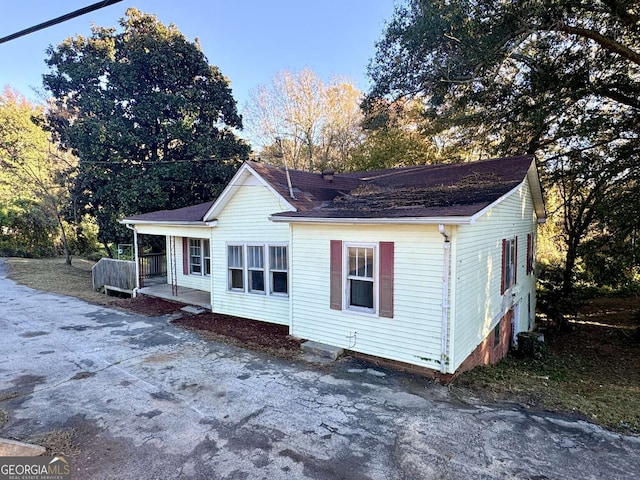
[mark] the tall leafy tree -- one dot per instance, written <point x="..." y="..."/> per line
<point x="33" y="178"/>
<point x="557" y="78"/>
<point x="149" y="119"/>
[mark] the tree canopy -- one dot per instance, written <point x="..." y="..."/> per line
<point x="32" y="181"/>
<point x="317" y="124"/>
<point x="557" y="78"/>
<point x="149" y="119"/>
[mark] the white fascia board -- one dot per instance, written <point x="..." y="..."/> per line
<point x="213" y="223"/>
<point x="536" y="192"/>
<point x="377" y="221"/>
<point x="235" y="183"/>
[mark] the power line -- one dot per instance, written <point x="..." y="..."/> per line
<point x="171" y="162"/>
<point x="57" y="20"/>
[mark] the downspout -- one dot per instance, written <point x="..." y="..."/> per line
<point x="134" y="293"/>
<point x="444" y="327"/>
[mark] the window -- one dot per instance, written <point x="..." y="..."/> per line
<point x="509" y="264"/>
<point x="278" y="271"/>
<point x="360" y="276"/>
<point x="199" y="261"/>
<point x="236" y="267"/>
<point x="255" y="256"/>
<point x="265" y="270"/>
<point x="496" y="336"/>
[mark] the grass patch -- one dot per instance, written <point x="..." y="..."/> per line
<point x="53" y="275"/>
<point x="592" y="371"/>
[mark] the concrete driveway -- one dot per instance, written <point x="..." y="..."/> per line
<point x="147" y="400"/>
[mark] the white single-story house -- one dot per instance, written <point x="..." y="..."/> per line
<point x="430" y="266"/>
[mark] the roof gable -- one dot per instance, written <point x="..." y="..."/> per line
<point x="245" y="175"/>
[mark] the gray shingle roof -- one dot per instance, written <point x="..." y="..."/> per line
<point x="192" y="213"/>
<point x="458" y="189"/>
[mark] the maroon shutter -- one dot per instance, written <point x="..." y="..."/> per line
<point x="185" y="255"/>
<point x="515" y="262"/>
<point x="503" y="279"/>
<point x="529" y="251"/>
<point x="386" y="279"/>
<point x="336" y="275"/>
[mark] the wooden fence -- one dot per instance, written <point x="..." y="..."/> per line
<point x="114" y="274"/>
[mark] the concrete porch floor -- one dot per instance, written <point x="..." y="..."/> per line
<point x="190" y="296"/>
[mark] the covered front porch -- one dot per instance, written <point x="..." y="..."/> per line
<point x="190" y="296"/>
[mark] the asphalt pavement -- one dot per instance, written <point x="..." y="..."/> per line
<point x="145" y="399"/>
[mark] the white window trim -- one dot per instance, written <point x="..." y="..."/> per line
<point x="203" y="256"/>
<point x="242" y="268"/>
<point x="346" y="299"/>
<point x="266" y="269"/>
<point x="270" y="270"/>
<point x="511" y="245"/>
<point x="265" y="282"/>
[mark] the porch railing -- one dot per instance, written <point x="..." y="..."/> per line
<point x="153" y="265"/>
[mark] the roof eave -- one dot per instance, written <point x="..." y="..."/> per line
<point x="212" y="223"/>
<point x="450" y="220"/>
<point x="233" y="186"/>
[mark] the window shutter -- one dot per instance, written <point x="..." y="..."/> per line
<point x="336" y="275"/>
<point x="185" y="255"/>
<point x="386" y="279"/>
<point x="515" y="262"/>
<point x="529" y="252"/>
<point x="503" y="279"/>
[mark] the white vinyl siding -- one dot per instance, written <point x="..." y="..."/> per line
<point x="479" y="303"/>
<point x="245" y="222"/>
<point x="413" y="334"/>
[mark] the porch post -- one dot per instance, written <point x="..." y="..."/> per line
<point x="137" y="258"/>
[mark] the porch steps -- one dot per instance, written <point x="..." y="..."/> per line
<point x="321" y="351"/>
<point x="192" y="310"/>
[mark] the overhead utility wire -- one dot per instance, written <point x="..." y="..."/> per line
<point x="255" y="157"/>
<point x="55" y="21"/>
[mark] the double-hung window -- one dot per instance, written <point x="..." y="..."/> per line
<point x="199" y="257"/>
<point x="278" y="271"/>
<point x="509" y="263"/>
<point x="255" y="257"/>
<point x="258" y="269"/>
<point x="361" y="277"/>
<point x="235" y="254"/>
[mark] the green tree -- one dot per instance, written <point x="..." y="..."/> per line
<point x="557" y="78"/>
<point x="149" y="119"/>
<point x="33" y="187"/>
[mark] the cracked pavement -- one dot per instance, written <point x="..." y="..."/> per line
<point x="149" y="400"/>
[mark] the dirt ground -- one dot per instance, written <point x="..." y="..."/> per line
<point x="267" y="337"/>
<point x="591" y="371"/>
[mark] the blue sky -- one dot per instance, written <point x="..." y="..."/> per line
<point x="250" y="40"/>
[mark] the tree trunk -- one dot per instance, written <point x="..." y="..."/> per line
<point x="108" y="249"/>
<point x="65" y="243"/>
